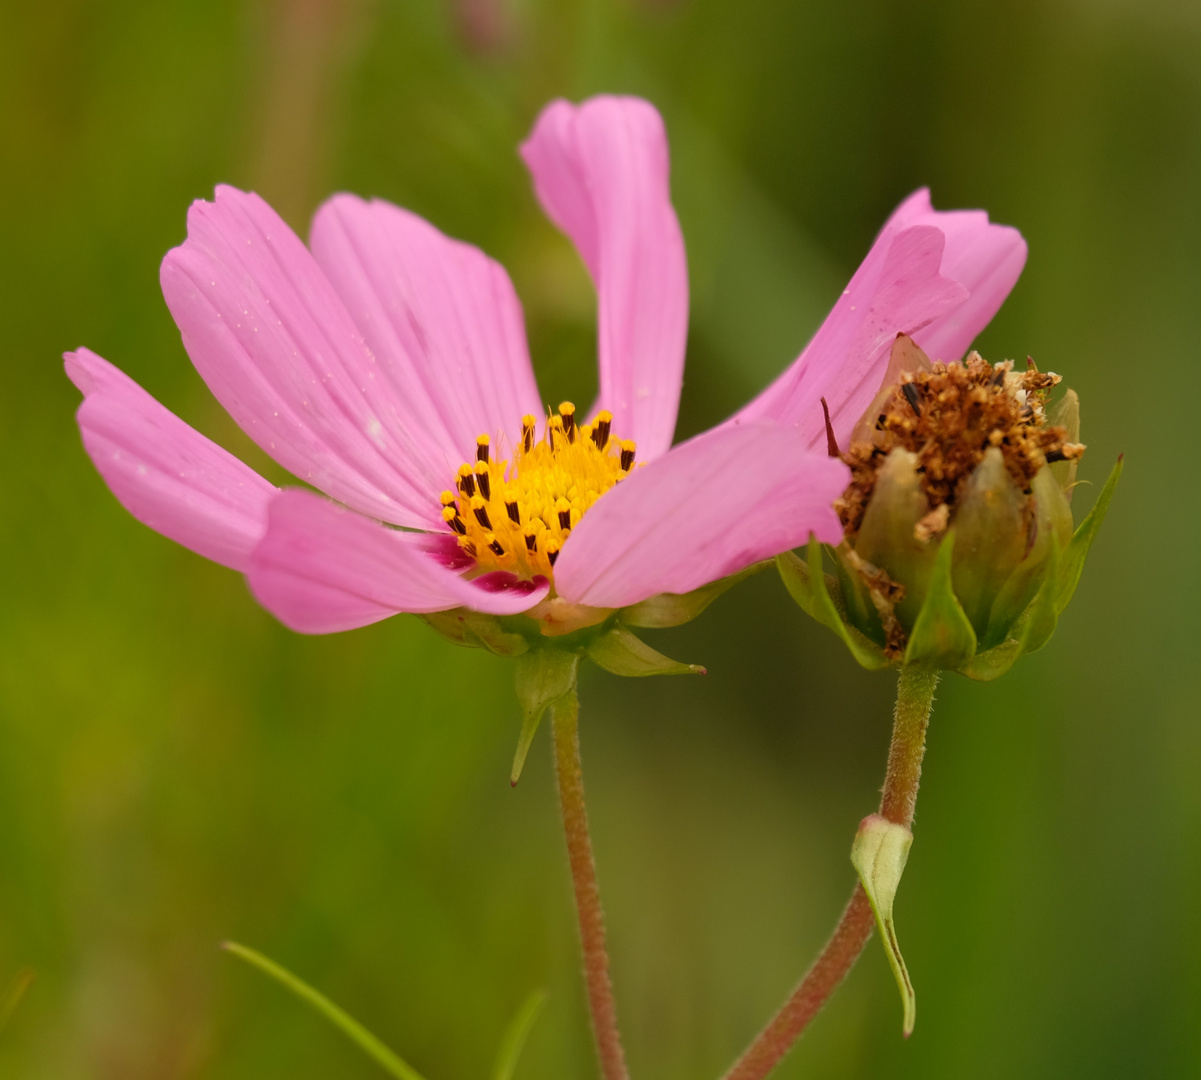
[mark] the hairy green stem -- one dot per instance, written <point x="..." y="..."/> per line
<point x="915" y="698"/>
<point x="587" y="894"/>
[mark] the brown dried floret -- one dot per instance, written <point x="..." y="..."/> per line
<point x="949" y="416"/>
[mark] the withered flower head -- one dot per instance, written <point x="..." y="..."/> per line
<point x="958" y="547"/>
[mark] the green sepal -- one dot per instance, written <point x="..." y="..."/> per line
<point x="942" y="635"/>
<point x="475" y="630"/>
<point x="879" y="854"/>
<point x="623" y="653"/>
<point x="544" y="676"/>
<point x="1038" y="621"/>
<point x="993" y="663"/>
<point x="1031" y="632"/>
<point x="852" y="596"/>
<point x="674" y="609"/>
<point x="1072" y="564"/>
<point x="810" y="587"/>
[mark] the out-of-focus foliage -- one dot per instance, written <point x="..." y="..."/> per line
<point x="177" y="769"/>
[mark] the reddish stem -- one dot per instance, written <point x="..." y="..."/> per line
<point x="915" y="697"/>
<point x="587" y="894"/>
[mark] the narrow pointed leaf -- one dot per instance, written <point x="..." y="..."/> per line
<point x="343" y="1021"/>
<point x="942" y="635"/>
<point x="543" y="677"/>
<point x="675" y="609"/>
<point x="623" y="653"/>
<point x="518" y="1031"/>
<point x="1072" y="563"/>
<point x="12" y="997"/>
<point x="806" y="583"/>
<point x="879" y="854"/>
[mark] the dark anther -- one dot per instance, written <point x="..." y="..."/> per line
<point x="485" y="483"/>
<point x="481" y="448"/>
<point x="467" y="484"/>
<point x="600" y="434"/>
<point x="912" y="396"/>
<point x="514" y="512"/>
<point x="531" y="541"/>
<point x="456" y="523"/>
<point x="627" y="459"/>
<point x="564" y="519"/>
<point x="831" y="442"/>
<point x="495" y="548"/>
<point x="1055" y="455"/>
<point x="552" y="556"/>
<point x="527" y="437"/>
<point x="481" y="515"/>
<point x="568" y="422"/>
<point x="999" y="378"/>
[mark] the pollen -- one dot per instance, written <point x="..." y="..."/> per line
<point x="515" y="515"/>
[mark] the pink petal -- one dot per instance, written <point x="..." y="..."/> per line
<point x="897" y="289"/>
<point x="164" y="472"/>
<point x="321" y="568"/>
<point x="442" y="320"/>
<point x="601" y="173"/>
<point x="275" y="344"/>
<point x="708" y="508"/>
<point x="985" y="259"/>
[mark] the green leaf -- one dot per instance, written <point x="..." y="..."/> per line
<point x="342" y="1020"/>
<point x="806" y="583"/>
<point x="879" y="854"/>
<point x="544" y="676"/>
<point x="518" y="1031"/>
<point x="675" y="609"/>
<point x="942" y="635"/>
<point x="623" y="653"/>
<point x="1073" y="559"/>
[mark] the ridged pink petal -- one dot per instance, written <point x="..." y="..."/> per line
<point x="442" y="319"/>
<point x="165" y="473"/>
<point x="708" y="508"/>
<point x="986" y="259"/>
<point x="321" y="568"/>
<point x="278" y="348"/>
<point x="601" y="173"/>
<point x="897" y="289"/>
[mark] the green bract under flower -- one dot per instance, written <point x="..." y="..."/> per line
<point x="959" y="550"/>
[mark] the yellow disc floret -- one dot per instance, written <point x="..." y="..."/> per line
<point x="516" y="515"/>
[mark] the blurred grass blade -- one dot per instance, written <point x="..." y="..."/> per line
<point x="347" y="1024"/>
<point x="14" y="994"/>
<point x="514" y="1041"/>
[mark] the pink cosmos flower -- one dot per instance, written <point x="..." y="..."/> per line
<point x="386" y="366"/>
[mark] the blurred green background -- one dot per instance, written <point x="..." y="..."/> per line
<point x="177" y="769"/>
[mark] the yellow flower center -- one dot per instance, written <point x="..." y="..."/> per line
<point x="516" y="516"/>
